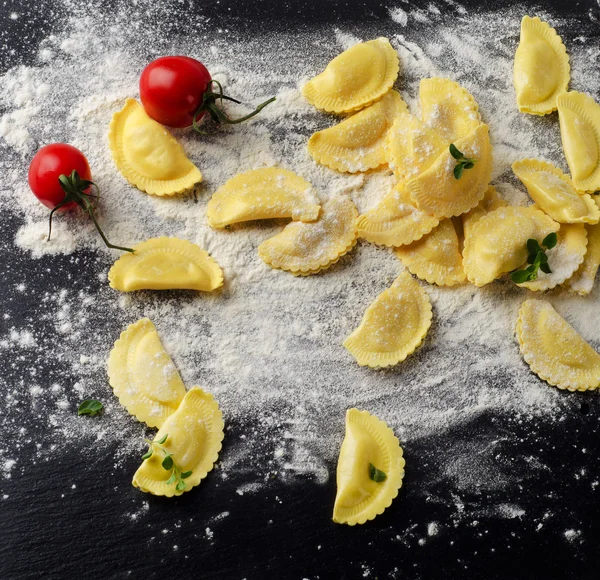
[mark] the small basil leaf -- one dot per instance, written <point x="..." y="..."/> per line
<point x="171" y="479"/>
<point x="519" y="276"/>
<point x="180" y="485"/>
<point x="545" y="268"/>
<point x="469" y="165"/>
<point x="531" y="269"/>
<point x="458" y="171"/>
<point x="376" y="474"/>
<point x="531" y="258"/>
<point x="455" y="152"/>
<point x="162" y="439"/>
<point x="543" y="258"/>
<point x="186" y="474"/>
<point x="550" y="240"/>
<point x="167" y="462"/>
<point x="90" y="407"/>
<point x="533" y="247"/>
<point x="147" y="455"/>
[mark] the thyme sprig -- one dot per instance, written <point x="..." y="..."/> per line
<point x="177" y="476"/>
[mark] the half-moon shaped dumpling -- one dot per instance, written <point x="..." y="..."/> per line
<point x="395" y="221"/>
<point x="436" y="191"/>
<point x="554" y="193"/>
<point x="193" y="439"/>
<point x="579" y="117"/>
<point x="143" y="375"/>
<point x="356" y="78"/>
<point x="491" y="201"/>
<point x="147" y="155"/>
<point x="370" y="469"/>
<point x="260" y="194"/>
<point x="541" y="68"/>
<point x="582" y="281"/>
<point x="358" y="142"/>
<point x="435" y="257"/>
<point x="308" y="248"/>
<point x="166" y="264"/>
<point x="448" y="108"/>
<point x="412" y="146"/>
<point x="564" y="259"/>
<point x="393" y="326"/>
<point x="554" y="350"/>
<point x="497" y="242"/>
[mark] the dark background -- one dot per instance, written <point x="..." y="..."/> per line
<point x="50" y="530"/>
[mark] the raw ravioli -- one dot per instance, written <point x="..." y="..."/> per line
<point x="491" y="201"/>
<point x="582" y="281"/>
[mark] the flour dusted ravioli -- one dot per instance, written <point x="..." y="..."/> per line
<point x="541" y="67"/>
<point x="393" y="326"/>
<point x="395" y="221"/>
<point x="491" y="201"/>
<point x="193" y="437"/>
<point x="143" y="375"/>
<point x="436" y="256"/>
<point x="564" y="259"/>
<point x="265" y="193"/>
<point x="166" y="264"/>
<point x="496" y="243"/>
<point x="554" y="350"/>
<point x="436" y="191"/>
<point x="368" y="444"/>
<point x="356" y="78"/>
<point x="147" y="155"/>
<point x="448" y="108"/>
<point x="582" y="281"/>
<point x="358" y="142"/>
<point x="579" y="117"/>
<point x="554" y="193"/>
<point x="308" y="248"/>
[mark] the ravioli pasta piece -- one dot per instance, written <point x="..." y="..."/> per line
<point x="491" y="201"/>
<point x="143" y="376"/>
<point x="564" y="259"/>
<point x="554" y="349"/>
<point x="356" y="78"/>
<point x="166" y="264"/>
<point x="395" y="221"/>
<point x="436" y="191"/>
<point x="496" y="243"/>
<point x="358" y="143"/>
<point x="579" y="117"/>
<point x="554" y="193"/>
<point x="583" y="279"/>
<point x="393" y="326"/>
<point x="541" y="67"/>
<point x="448" y="108"/>
<point x="147" y="155"/>
<point x="435" y="257"/>
<point x="308" y="248"/>
<point x="194" y="435"/>
<point x="368" y="442"/>
<point x="260" y="194"/>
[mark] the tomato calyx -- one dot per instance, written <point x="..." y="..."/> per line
<point x="75" y="191"/>
<point x="217" y="114"/>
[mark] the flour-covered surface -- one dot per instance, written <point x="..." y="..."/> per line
<point x="501" y="475"/>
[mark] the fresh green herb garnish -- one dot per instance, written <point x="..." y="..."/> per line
<point x="462" y="162"/>
<point x="376" y="474"/>
<point x="168" y="463"/>
<point x="536" y="258"/>
<point x="90" y="407"/>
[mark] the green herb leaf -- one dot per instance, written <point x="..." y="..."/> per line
<point x="147" y="455"/>
<point x="172" y="479"/>
<point x="90" y="407"/>
<point x="458" y="170"/>
<point x="167" y="462"/>
<point x="543" y="258"/>
<point x="185" y="474"/>
<point x="550" y="240"/>
<point x="520" y="276"/>
<point x="545" y="268"/>
<point x="181" y="485"/>
<point x="469" y="165"/>
<point x="376" y="474"/>
<point x="533" y="247"/>
<point x="162" y="439"/>
<point x="455" y="152"/>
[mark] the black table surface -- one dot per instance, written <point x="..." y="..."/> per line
<point x="285" y="531"/>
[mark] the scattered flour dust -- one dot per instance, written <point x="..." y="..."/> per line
<point x="268" y="346"/>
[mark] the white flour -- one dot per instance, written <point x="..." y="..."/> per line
<point x="269" y="345"/>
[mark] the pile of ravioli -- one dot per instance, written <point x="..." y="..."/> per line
<point x="446" y="229"/>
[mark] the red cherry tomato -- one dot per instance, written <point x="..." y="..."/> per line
<point x="171" y="89"/>
<point x="49" y="163"/>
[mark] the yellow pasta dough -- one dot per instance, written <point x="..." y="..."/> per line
<point x="356" y="78"/>
<point x="265" y="193"/>
<point x="147" y="155"/>
<point x="496" y="243"/>
<point x="582" y="281"/>
<point x="491" y="201"/>
<point x="448" y="108"/>
<point x="436" y="256"/>
<point x="369" y="443"/>
<point x="395" y="221"/>
<point x="194" y="435"/>
<point x="579" y="117"/>
<point x="554" y="193"/>
<point x="358" y="142"/>
<point x="143" y="376"/>
<point x="554" y="350"/>
<point x="166" y="264"/>
<point x="393" y="326"/>
<point x="541" y="67"/>
<point x="436" y="191"/>
<point x="308" y="248"/>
